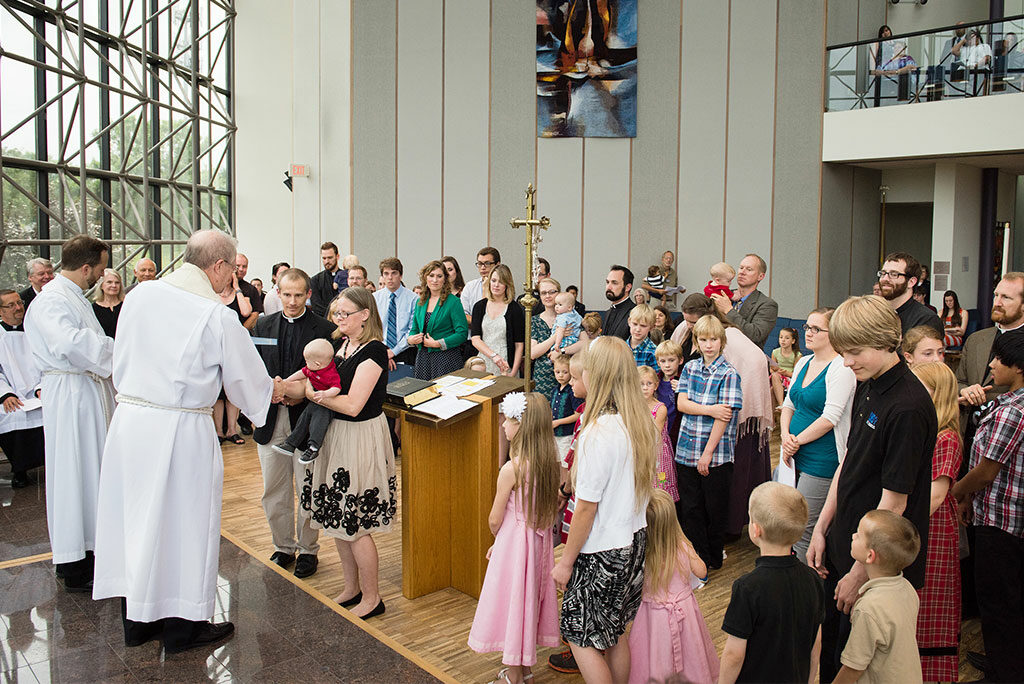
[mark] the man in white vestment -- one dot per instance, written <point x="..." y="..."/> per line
<point x="74" y="355"/>
<point x="21" y="424"/>
<point x="163" y="473"/>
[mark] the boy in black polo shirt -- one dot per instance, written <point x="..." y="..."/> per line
<point x="887" y="466"/>
<point x="774" y="617"/>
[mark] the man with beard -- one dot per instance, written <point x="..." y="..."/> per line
<point x="750" y="310"/>
<point x="973" y="374"/>
<point x="618" y="286"/>
<point x="323" y="282"/>
<point x="74" y="356"/>
<point x="900" y="273"/>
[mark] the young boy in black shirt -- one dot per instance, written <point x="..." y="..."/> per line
<point x="888" y="463"/>
<point x="774" y="617"/>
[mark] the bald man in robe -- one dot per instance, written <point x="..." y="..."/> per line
<point x="159" y="513"/>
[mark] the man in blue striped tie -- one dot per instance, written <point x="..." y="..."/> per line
<point x="395" y="303"/>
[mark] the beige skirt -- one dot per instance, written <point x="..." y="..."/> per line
<point x="349" y="490"/>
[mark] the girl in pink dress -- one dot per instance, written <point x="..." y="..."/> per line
<point x="518" y="610"/>
<point x="669" y="637"/>
<point x="665" y="475"/>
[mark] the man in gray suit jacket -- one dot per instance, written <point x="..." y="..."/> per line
<point x="752" y="311"/>
<point x="973" y="374"/>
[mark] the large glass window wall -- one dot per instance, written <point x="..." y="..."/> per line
<point x="116" y="120"/>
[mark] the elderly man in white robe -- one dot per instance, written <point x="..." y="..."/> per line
<point x="74" y="356"/>
<point x="21" y="422"/>
<point x="160" y="506"/>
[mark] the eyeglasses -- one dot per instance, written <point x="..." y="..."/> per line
<point x="481" y="264"/>
<point x="893" y="275"/>
<point x="13" y="305"/>
<point x="814" y="329"/>
<point x="548" y="293"/>
<point x="342" y="314"/>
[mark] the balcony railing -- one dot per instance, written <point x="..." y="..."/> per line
<point x="967" y="60"/>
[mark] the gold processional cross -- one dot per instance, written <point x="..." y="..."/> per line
<point x="532" y="239"/>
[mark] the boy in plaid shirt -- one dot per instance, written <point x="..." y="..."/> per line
<point x="641" y="320"/>
<point x="709" y="397"/>
<point x="993" y="491"/>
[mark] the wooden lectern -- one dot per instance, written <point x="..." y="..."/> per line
<point x="449" y="475"/>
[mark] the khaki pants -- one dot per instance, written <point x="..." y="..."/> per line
<point x="282" y="477"/>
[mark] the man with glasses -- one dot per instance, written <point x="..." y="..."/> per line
<point x="21" y="431"/>
<point x="900" y="273"/>
<point x="486" y="259"/>
<point x="750" y="310"/>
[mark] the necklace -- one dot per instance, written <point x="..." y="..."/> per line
<point x="345" y="352"/>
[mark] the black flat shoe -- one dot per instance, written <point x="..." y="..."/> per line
<point x="20" y="480"/>
<point x="207" y="634"/>
<point x="283" y="559"/>
<point x="306" y="565"/>
<point x="78" y="587"/>
<point x="379" y="610"/>
<point x="352" y="601"/>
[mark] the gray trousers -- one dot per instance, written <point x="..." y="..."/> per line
<point x="282" y="477"/>
<point x="815" y="490"/>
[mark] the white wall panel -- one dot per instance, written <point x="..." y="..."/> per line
<point x="702" y="139"/>
<point x="605" y="214"/>
<point x="420" y="97"/>
<point x="748" y="201"/>
<point x="560" y="198"/>
<point x="263" y="144"/>
<point x="335" y="173"/>
<point x="466" y="109"/>
<point x="306" y="192"/>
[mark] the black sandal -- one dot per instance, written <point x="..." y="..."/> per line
<point x="235" y="439"/>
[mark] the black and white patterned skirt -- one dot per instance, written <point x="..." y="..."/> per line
<point x="603" y="594"/>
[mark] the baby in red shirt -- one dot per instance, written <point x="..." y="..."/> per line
<point x="721" y="280"/>
<point x="312" y="425"/>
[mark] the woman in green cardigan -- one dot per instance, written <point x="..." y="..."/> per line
<point x="438" y="325"/>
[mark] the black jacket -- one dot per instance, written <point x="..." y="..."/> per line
<point x="322" y="285"/>
<point x="311" y="327"/>
<point x="616" y="319"/>
<point x="27" y="295"/>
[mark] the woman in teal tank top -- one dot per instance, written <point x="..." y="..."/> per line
<point x="816" y="419"/>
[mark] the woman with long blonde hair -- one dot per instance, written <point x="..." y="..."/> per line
<point x="602" y="567"/>
<point x="938" y="619"/>
<point x="669" y="636"/>
<point x="518" y="609"/>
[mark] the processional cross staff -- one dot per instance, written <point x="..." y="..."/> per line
<point x="533" y="227"/>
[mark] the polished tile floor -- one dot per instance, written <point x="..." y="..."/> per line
<point x="283" y="634"/>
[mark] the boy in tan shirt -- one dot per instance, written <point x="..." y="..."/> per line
<point x="882" y="646"/>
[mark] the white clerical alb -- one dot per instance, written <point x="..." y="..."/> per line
<point x="19" y="376"/>
<point x="74" y="356"/>
<point x="161" y="486"/>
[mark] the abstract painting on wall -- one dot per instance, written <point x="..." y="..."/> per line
<point x="586" y="68"/>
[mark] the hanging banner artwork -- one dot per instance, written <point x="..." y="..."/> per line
<point x="586" y="68"/>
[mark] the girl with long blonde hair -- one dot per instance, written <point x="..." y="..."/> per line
<point x="669" y="636"/>
<point x="602" y="566"/>
<point x="518" y="610"/>
<point x="938" y="618"/>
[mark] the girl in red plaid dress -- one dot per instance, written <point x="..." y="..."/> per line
<point x="938" y="619"/>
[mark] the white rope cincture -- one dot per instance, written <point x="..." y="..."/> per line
<point x="137" y="401"/>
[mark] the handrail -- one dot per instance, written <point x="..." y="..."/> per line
<point x="941" y="29"/>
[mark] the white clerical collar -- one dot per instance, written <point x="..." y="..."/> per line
<point x="292" y="320"/>
<point x="1016" y="327"/>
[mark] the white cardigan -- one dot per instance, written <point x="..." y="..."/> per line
<point x="840" y="386"/>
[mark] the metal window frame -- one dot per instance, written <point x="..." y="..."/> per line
<point x="147" y="207"/>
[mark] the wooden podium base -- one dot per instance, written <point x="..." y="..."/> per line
<point x="449" y="475"/>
